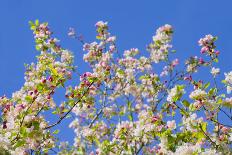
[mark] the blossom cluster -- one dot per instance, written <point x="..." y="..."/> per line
<point x="161" y="44"/>
<point x="122" y="104"/>
<point x="23" y="127"/>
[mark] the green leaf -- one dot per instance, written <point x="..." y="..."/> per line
<point x="204" y="126"/>
<point x="62" y="84"/>
<point x="206" y="85"/>
<point x="37" y="47"/>
<point x="31" y="23"/>
<point x="39" y="87"/>
<point x="192" y="108"/>
<point x="219" y="101"/>
<point x="53" y="70"/>
<point x="36" y="125"/>
<point x="185" y="103"/>
<point x="56" y="131"/>
<point x="120" y="71"/>
<point x="224" y="81"/>
<point x="215" y="38"/>
<point x="223" y="95"/>
<point x="65" y="110"/>
<point x="28" y="98"/>
<point x="33" y="27"/>
<point x="57" y="111"/>
<point x="129" y="105"/>
<point x="212" y="91"/>
<point x="215" y="60"/>
<point x="98" y="37"/>
<point x="19" y="143"/>
<point x="173" y="51"/>
<point x="36" y="22"/>
<point x="54" y="112"/>
<point x="23" y="131"/>
<point x="199" y="135"/>
<point x="184" y="113"/>
<point x="68" y="116"/>
<point x="175" y="98"/>
<point x="130" y="117"/>
<point x="173" y="113"/>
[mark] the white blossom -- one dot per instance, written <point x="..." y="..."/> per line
<point x="215" y="71"/>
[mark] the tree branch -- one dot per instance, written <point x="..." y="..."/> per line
<point x="61" y="118"/>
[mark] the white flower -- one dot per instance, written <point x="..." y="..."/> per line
<point x="228" y="81"/>
<point x="210" y="152"/>
<point x="130" y="53"/>
<point x="4" y="142"/>
<point x="215" y="71"/>
<point x="63" y="145"/>
<point x="101" y="24"/>
<point x="138" y="131"/>
<point x="71" y="32"/>
<point x="198" y="94"/>
<point x="109" y="111"/>
<point x="171" y="124"/>
<point x="125" y="125"/>
<point x="187" y="149"/>
<point x="160" y="46"/>
<point x="206" y="40"/>
<point x="228" y="77"/>
<point x="67" y="57"/>
<point x="163" y="143"/>
<point x="191" y="68"/>
<point x="227" y="102"/>
<point x="75" y="123"/>
<point x="189" y="122"/>
<point x="111" y="39"/>
<point x="87" y="132"/>
<point x="175" y="93"/>
<point x="10" y="120"/>
<point x="18" y="151"/>
<point x="230" y="138"/>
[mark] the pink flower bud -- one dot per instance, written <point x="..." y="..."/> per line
<point x="43" y="80"/>
<point x="35" y="91"/>
<point x="154" y="119"/>
<point x="48" y="97"/>
<point x="4" y="125"/>
<point x="204" y="49"/>
<point x="50" y="79"/>
<point x="201" y="61"/>
<point x="175" y="62"/>
<point x="31" y="92"/>
<point x="217" y="53"/>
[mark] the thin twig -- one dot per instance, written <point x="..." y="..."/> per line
<point x="61" y="118"/>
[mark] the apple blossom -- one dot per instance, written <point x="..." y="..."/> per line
<point x="215" y="71"/>
<point x="228" y="81"/>
<point x="122" y="104"/>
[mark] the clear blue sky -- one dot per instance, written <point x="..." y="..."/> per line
<point x="133" y="21"/>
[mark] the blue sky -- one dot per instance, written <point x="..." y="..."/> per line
<point x="132" y="21"/>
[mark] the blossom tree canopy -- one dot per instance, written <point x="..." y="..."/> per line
<point x="123" y="104"/>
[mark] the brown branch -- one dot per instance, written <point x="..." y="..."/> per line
<point x="141" y="147"/>
<point x="95" y="118"/>
<point x="40" y="109"/>
<point x="221" y="123"/>
<point x="230" y="117"/>
<point x="100" y="111"/>
<point x="207" y="136"/>
<point x="61" y="118"/>
<point x="22" y="120"/>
